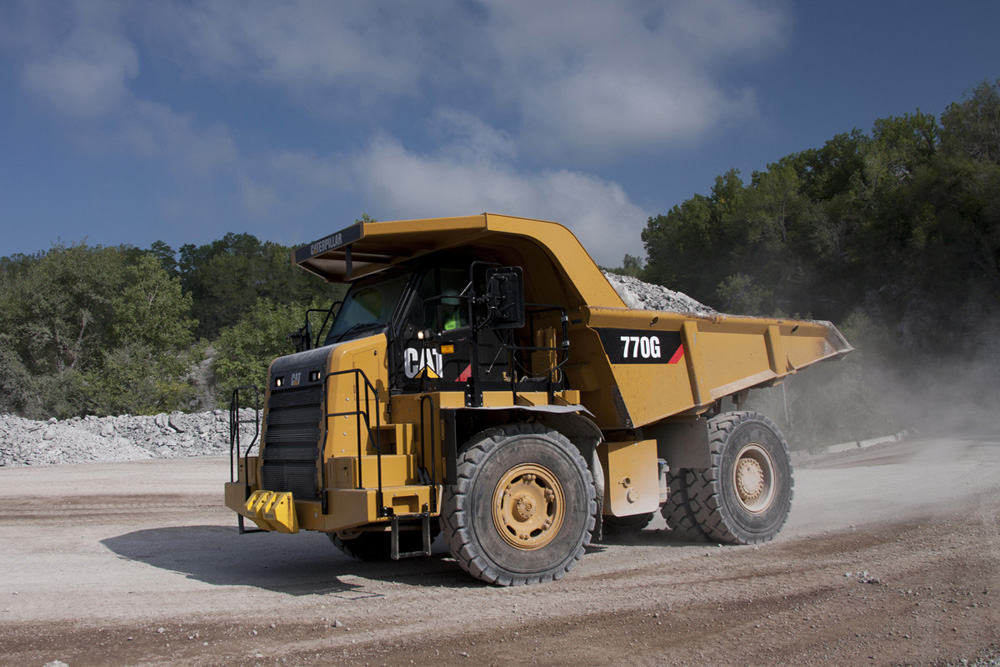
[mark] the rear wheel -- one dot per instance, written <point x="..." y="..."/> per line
<point x="745" y="496"/>
<point x="523" y="509"/>
<point x="681" y="521"/>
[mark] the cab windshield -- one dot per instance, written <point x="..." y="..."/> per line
<point x="368" y="305"/>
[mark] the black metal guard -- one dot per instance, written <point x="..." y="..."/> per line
<point x="425" y="532"/>
<point x="561" y="350"/>
<point x="432" y="481"/>
<point x="520" y="378"/>
<point x="360" y="379"/>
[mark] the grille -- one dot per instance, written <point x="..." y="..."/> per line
<point x="291" y="441"/>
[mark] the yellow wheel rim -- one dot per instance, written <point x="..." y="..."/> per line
<point x="753" y="478"/>
<point x="528" y="506"/>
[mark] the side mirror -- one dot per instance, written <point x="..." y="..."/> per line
<point x="300" y="338"/>
<point x="505" y="297"/>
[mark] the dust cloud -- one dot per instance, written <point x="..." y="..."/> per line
<point x="867" y="395"/>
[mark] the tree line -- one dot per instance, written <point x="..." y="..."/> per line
<point x="894" y="234"/>
<point x="900" y="226"/>
<point x="112" y="330"/>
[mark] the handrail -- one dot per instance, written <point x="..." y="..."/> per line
<point x="234" y="431"/>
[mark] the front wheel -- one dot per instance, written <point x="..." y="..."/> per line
<point x="523" y="509"/>
<point x="746" y="494"/>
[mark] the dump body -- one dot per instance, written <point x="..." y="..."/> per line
<point x="455" y="336"/>
<point x="660" y="364"/>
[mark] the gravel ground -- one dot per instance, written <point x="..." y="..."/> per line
<point x="890" y="557"/>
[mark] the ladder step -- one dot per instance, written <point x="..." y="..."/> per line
<point x="425" y="530"/>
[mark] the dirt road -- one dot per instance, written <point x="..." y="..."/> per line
<point x="891" y="556"/>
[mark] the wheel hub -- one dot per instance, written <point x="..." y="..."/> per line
<point x="528" y="506"/>
<point x="753" y="478"/>
<point x="524" y="507"/>
<point x="749" y="479"/>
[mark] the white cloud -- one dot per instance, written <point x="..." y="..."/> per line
<point x="604" y="113"/>
<point x="340" y="55"/>
<point x="81" y="62"/>
<point x="465" y="137"/>
<point x="154" y="130"/>
<point x="594" y="79"/>
<point x="578" y="80"/>
<point x="406" y="185"/>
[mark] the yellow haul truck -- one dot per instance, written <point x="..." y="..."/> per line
<point x="483" y="379"/>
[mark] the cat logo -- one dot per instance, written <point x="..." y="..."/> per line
<point x="416" y="361"/>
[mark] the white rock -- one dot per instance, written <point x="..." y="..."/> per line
<point x="123" y="438"/>
<point x="640" y="295"/>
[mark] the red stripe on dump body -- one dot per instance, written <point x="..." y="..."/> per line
<point x="677" y="355"/>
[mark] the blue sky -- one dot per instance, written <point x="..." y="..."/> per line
<point x="130" y="122"/>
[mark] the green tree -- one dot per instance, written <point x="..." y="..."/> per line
<point x="138" y="379"/>
<point x="57" y="306"/>
<point x="896" y="231"/>
<point x="246" y="349"/>
<point x="226" y="278"/>
<point x="677" y="245"/>
<point x="166" y="255"/>
<point x="78" y="323"/>
<point x="971" y="129"/>
<point x="740" y="295"/>
<point x="631" y="266"/>
<point x="144" y="364"/>
<point x="151" y="309"/>
<point x="18" y="391"/>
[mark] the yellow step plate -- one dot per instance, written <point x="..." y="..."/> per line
<point x="273" y="510"/>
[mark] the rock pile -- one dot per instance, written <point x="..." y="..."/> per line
<point x="644" y="296"/>
<point x="125" y="438"/>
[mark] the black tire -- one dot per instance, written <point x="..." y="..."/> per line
<point x="745" y="496"/>
<point x="621" y="527"/>
<point x="377" y="545"/>
<point x="681" y="522"/>
<point x="523" y="509"/>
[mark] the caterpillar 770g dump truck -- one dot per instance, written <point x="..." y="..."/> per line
<point x="482" y="378"/>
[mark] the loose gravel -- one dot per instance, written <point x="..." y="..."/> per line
<point x="126" y="438"/>
<point x="644" y="296"/>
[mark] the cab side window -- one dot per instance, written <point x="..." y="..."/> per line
<point x="439" y="305"/>
<point x="454" y="309"/>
